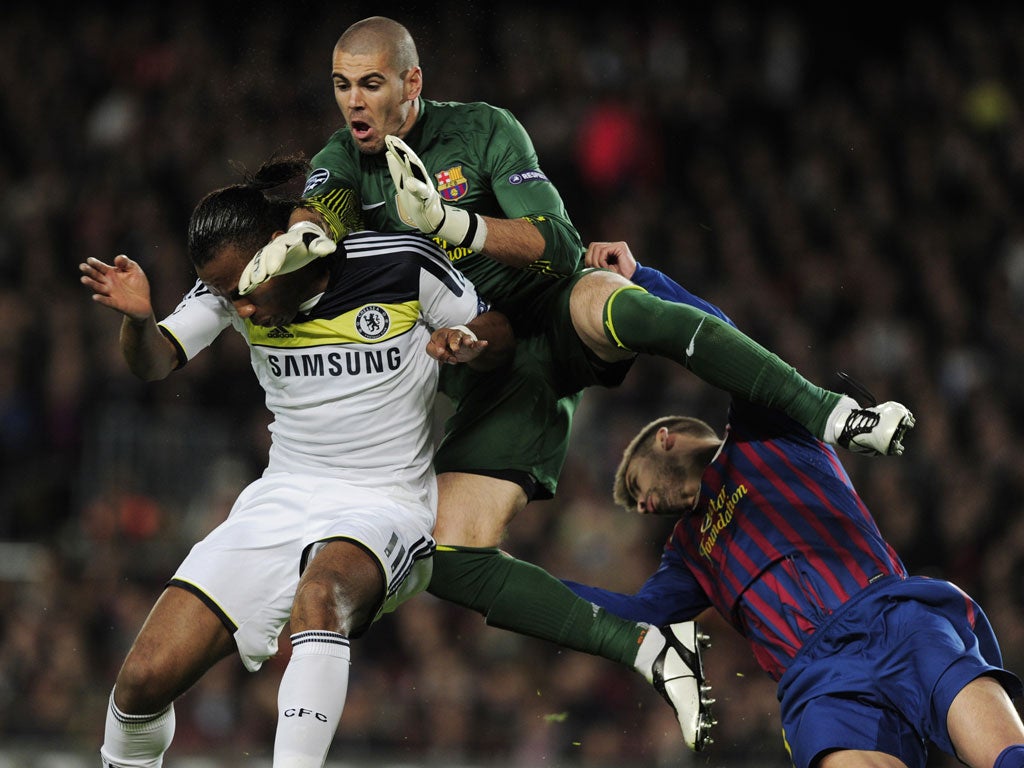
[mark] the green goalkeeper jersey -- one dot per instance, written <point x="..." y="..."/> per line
<point x="481" y="159"/>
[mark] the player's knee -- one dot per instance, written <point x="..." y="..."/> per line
<point x="474" y="510"/>
<point x="143" y="686"/>
<point x="587" y="305"/>
<point x="328" y="602"/>
<point x="319" y="604"/>
<point x="457" y="531"/>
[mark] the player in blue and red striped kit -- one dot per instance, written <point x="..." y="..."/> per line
<point x="872" y="664"/>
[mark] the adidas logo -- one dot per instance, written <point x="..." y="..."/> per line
<point x="280" y="332"/>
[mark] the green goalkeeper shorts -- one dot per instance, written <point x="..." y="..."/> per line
<point x="515" y="422"/>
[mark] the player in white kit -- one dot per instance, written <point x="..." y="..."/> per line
<point x="338" y="528"/>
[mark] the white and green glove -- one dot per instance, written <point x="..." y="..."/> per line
<point x="302" y="243"/>
<point x="421" y="206"/>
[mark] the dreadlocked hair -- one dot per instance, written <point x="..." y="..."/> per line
<point x="244" y="214"/>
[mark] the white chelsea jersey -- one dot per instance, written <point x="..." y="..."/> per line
<point x="350" y="384"/>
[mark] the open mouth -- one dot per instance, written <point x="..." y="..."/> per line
<point x="361" y="129"/>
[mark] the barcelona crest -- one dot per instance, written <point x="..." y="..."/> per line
<point x="451" y="184"/>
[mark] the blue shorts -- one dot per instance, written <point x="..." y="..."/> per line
<point x="882" y="673"/>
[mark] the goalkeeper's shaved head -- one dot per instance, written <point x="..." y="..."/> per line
<point x="379" y="33"/>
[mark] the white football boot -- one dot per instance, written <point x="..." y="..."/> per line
<point x="678" y="675"/>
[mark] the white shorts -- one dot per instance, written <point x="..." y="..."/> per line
<point x="247" y="569"/>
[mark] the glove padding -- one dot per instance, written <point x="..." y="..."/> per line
<point x="302" y="243"/>
<point x="421" y="206"/>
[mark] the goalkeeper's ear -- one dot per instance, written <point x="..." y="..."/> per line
<point x="412" y="84"/>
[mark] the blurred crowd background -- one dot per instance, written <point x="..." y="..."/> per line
<point x="846" y="187"/>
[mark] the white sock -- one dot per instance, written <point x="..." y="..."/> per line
<point x="837" y="419"/>
<point x="651" y="646"/>
<point x="311" y="699"/>
<point x="136" y="741"/>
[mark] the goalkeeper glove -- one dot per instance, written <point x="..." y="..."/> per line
<point x="302" y="243"/>
<point x="420" y="205"/>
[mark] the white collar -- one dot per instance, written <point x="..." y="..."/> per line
<point x="308" y="304"/>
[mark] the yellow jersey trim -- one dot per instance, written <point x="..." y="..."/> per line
<point x="343" y="329"/>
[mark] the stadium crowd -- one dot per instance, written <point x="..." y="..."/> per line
<point x="848" y="192"/>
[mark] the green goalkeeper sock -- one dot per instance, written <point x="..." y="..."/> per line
<point x="717" y="352"/>
<point x="518" y="596"/>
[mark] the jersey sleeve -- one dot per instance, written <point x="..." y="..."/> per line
<point x="524" y="191"/>
<point x="670" y="595"/>
<point x="664" y="287"/>
<point x="331" y="189"/>
<point x="197" y="320"/>
<point x="447" y="297"/>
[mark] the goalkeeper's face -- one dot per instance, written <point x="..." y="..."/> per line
<point x="274" y="302"/>
<point x="374" y="98"/>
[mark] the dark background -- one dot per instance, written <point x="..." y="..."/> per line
<point x="846" y="184"/>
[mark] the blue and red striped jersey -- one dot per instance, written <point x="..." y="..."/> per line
<point x="778" y="541"/>
<point x="779" y="538"/>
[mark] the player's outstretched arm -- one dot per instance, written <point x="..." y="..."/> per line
<point x="420" y="204"/>
<point x="124" y="287"/>
<point x="516" y="242"/>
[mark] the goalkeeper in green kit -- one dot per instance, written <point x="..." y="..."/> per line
<point x="467" y="175"/>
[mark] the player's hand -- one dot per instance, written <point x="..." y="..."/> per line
<point x="418" y="201"/>
<point x="420" y="206"/>
<point x="302" y="243"/>
<point x="615" y="257"/>
<point x="122" y="286"/>
<point x="455" y="345"/>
